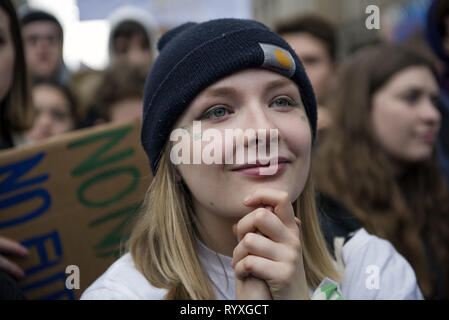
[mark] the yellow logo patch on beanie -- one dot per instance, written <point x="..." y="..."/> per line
<point x="278" y="59"/>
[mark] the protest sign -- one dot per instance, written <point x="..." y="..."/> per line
<point x="71" y="201"/>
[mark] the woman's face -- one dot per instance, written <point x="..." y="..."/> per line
<point x="6" y="55"/>
<point x="250" y="99"/>
<point x="53" y="114"/>
<point x="405" y="117"/>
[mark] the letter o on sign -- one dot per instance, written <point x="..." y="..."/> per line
<point x="133" y="172"/>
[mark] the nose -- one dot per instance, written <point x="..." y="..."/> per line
<point x="258" y="119"/>
<point x="137" y="56"/>
<point x="44" y="123"/>
<point x="430" y="114"/>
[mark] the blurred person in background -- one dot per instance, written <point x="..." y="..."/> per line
<point x="314" y="39"/>
<point x="133" y="37"/>
<point x="118" y="96"/>
<point x="438" y="39"/>
<point x="15" y="117"/>
<point x="43" y="38"/>
<point x="84" y="84"/>
<point x="378" y="160"/>
<point x="55" y="110"/>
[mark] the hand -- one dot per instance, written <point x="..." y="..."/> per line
<point x="251" y="288"/>
<point x="14" y="248"/>
<point x="274" y="255"/>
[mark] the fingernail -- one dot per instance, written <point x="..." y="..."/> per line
<point x="247" y="198"/>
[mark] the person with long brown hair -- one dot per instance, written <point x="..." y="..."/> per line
<point x="15" y="101"/>
<point x="379" y="160"/>
<point x="15" y="118"/>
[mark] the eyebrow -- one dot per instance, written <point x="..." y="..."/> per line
<point x="220" y="91"/>
<point x="278" y="84"/>
<point x="223" y="91"/>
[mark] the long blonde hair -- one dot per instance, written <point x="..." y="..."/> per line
<point x="162" y="243"/>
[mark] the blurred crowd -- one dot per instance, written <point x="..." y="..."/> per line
<point x="383" y="112"/>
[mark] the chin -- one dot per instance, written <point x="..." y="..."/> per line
<point x="420" y="157"/>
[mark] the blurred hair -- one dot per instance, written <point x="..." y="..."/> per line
<point x="42" y="16"/>
<point x="314" y="25"/>
<point x="351" y="167"/>
<point x="441" y="15"/>
<point x="128" y="29"/>
<point x="67" y="94"/>
<point x="16" y="112"/>
<point x="163" y="241"/>
<point x="119" y="82"/>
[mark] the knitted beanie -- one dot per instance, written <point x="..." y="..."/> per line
<point x="195" y="55"/>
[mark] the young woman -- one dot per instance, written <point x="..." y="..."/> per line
<point x="15" y="108"/>
<point x="379" y="162"/>
<point x="55" y="110"/>
<point x="226" y="228"/>
<point x="15" y="117"/>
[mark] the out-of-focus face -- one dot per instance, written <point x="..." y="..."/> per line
<point x="43" y="48"/>
<point x="127" y="109"/>
<point x="252" y="99"/>
<point x="53" y="113"/>
<point x="6" y="55"/>
<point x="132" y="50"/>
<point x="316" y="60"/>
<point x="404" y="115"/>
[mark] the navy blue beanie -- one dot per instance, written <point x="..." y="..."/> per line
<point x="195" y="55"/>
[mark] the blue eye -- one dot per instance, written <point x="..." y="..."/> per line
<point x="284" y="102"/>
<point x="215" y="113"/>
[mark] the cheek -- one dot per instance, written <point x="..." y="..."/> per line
<point x="206" y="184"/>
<point x="297" y="134"/>
<point x="392" y="127"/>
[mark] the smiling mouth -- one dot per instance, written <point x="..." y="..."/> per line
<point x="263" y="170"/>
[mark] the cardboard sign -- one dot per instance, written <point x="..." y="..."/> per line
<point x="71" y="201"/>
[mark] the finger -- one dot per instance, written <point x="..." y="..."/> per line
<point x="279" y="200"/>
<point x="262" y="268"/>
<point x="11" y="268"/>
<point x="12" y="247"/>
<point x="264" y="221"/>
<point x="257" y="245"/>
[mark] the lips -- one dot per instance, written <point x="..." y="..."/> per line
<point x="258" y="169"/>
<point x="428" y="137"/>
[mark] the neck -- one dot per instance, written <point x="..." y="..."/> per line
<point x="215" y="231"/>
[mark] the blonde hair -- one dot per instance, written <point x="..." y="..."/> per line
<point x="162" y="243"/>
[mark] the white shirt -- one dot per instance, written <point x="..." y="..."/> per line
<point x="396" y="278"/>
